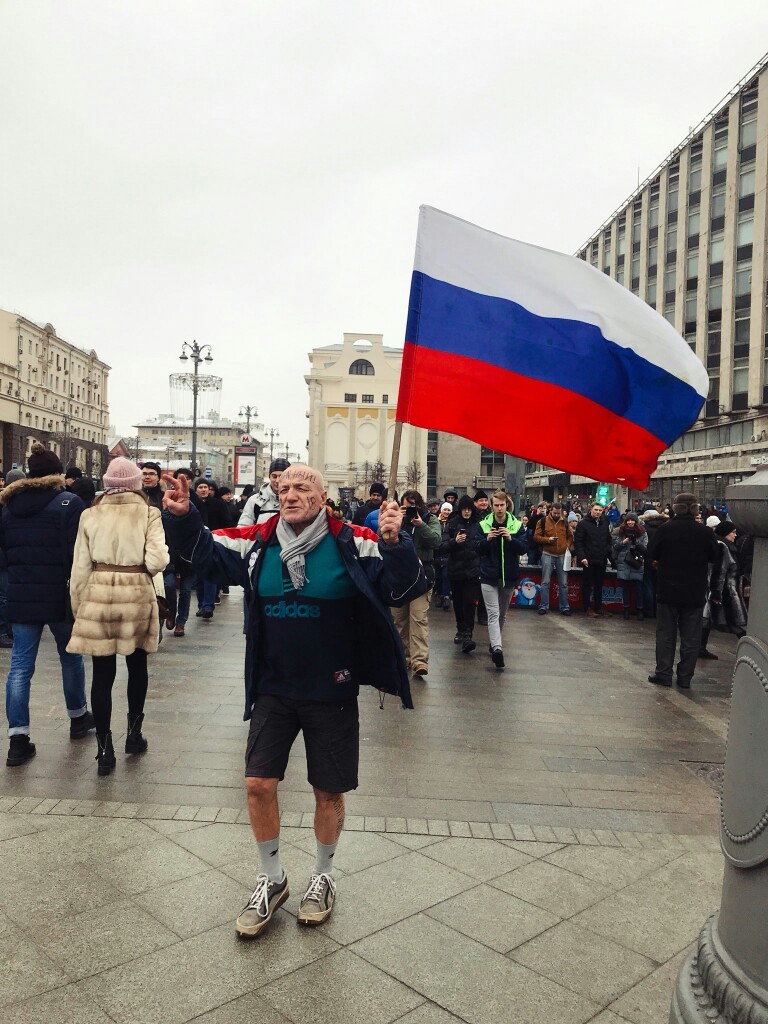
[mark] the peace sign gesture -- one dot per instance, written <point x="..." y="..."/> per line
<point x="176" y="497"/>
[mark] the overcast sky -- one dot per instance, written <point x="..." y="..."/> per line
<point x="248" y="174"/>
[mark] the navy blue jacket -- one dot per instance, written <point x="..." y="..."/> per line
<point x="384" y="574"/>
<point x="38" y="529"/>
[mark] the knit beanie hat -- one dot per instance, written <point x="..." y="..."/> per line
<point x="43" y="462"/>
<point x="724" y="528"/>
<point x="377" y="488"/>
<point x="446" y="507"/>
<point x="479" y="494"/>
<point x="13" y="475"/>
<point x="73" y="473"/>
<point x="278" y="465"/>
<point x="122" y="475"/>
<point x="465" y="502"/>
<point x="684" y="504"/>
<point x="713" y="521"/>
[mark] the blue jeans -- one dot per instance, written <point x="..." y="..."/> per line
<point x="26" y="640"/>
<point x="186" y="586"/>
<point x="548" y="563"/>
<point x="206" y="595"/>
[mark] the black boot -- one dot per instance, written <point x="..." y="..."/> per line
<point x="626" y="613"/>
<point x="134" y="741"/>
<point x="106" y="754"/>
<point x="20" y="750"/>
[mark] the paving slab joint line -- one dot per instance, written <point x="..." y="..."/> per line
<point x="358" y="823"/>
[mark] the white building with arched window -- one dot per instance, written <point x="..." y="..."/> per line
<point x="352" y="400"/>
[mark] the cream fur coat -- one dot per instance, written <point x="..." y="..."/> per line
<point x="116" y="612"/>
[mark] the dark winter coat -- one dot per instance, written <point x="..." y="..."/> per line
<point x="385" y="575"/>
<point x="463" y="560"/>
<point x="499" y="557"/>
<point x="38" y="529"/>
<point x="724" y="589"/>
<point x="364" y="510"/>
<point x="683" y="550"/>
<point x="592" y="540"/>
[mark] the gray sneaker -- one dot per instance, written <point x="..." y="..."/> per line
<point x="265" y="899"/>
<point x="317" y="904"/>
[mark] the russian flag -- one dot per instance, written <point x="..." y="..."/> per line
<point x="540" y="355"/>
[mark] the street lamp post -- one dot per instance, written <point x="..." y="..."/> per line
<point x="248" y="411"/>
<point x="196" y="355"/>
<point x="273" y="433"/>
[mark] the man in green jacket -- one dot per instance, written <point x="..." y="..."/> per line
<point x="412" y="620"/>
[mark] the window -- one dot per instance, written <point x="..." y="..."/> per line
<point x="747" y="182"/>
<point x="748" y="133"/>
<point x="368" y="399"/>
<point x="620" y="245"/>
<point x="743" y="277"/>
<point x="669" y="280"/>
<point x="744" y="229"/>
<point x="361" y="368"/>
<point x="716" y="248"/>
<point x="350" y="398"/>
<point x="720" y="156"/>
<point x="717" y="207"/>
<point x="716" y="293"/>
<point x="653" y="255"/>
<point x="671" y="240"/>
<point x="741" y="334"/>
<point x="692" y="265"/>
<point x="693" y="222"/>
<point x="694" y="178"/>
<point x="650" y="293"/>
<point x="384" y="399"/>
<point x="690" y="306"/>
<point x="669" y="313"/>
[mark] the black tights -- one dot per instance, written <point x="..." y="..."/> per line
<point x="104" y="670"/>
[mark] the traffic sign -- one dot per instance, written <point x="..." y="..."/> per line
<point x="208" y="474"/>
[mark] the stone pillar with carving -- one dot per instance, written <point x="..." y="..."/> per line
<point x="725" y="979"/>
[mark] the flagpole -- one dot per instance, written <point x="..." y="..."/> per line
<point x="392" y="487"/>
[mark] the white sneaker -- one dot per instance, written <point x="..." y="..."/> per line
<point x="265" y="899"/>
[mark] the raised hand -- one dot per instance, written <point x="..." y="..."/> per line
<point x="176" y="497"/>
<point x="390" y="521"/>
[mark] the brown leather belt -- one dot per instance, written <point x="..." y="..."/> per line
<point x="106" y="567"/>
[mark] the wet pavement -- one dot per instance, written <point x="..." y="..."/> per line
<point x="539" y="837"/>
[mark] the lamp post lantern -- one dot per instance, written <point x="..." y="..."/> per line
<point x="198" y="354"/>
<point x="248" y="411"/>
<point x="273" y="433"/>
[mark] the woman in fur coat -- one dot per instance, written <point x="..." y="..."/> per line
<point x="120" y="546"/>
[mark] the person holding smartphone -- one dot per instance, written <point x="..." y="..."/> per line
<point x="412" y="619"/>
<point x="500" y="542"/>
<point x="458" y="546"/>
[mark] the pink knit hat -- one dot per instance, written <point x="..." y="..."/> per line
<point x="122" y="474"/>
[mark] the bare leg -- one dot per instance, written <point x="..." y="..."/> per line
<point x="263" y="808"/>
<point x="329" y="816"/>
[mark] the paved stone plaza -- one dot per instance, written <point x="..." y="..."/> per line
<point x="538" y="845"/>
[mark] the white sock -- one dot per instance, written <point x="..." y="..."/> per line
<point x="324" y="861"/>
<point x="269" y="851"/>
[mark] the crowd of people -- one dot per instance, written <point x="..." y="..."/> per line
<point x="108" y="572"/>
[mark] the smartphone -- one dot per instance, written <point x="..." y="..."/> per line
<point x="461" y="533"/>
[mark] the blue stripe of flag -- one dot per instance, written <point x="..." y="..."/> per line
<point x="568" y="353"/>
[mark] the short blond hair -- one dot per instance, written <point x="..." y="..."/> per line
<point x="503" y="496"/>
